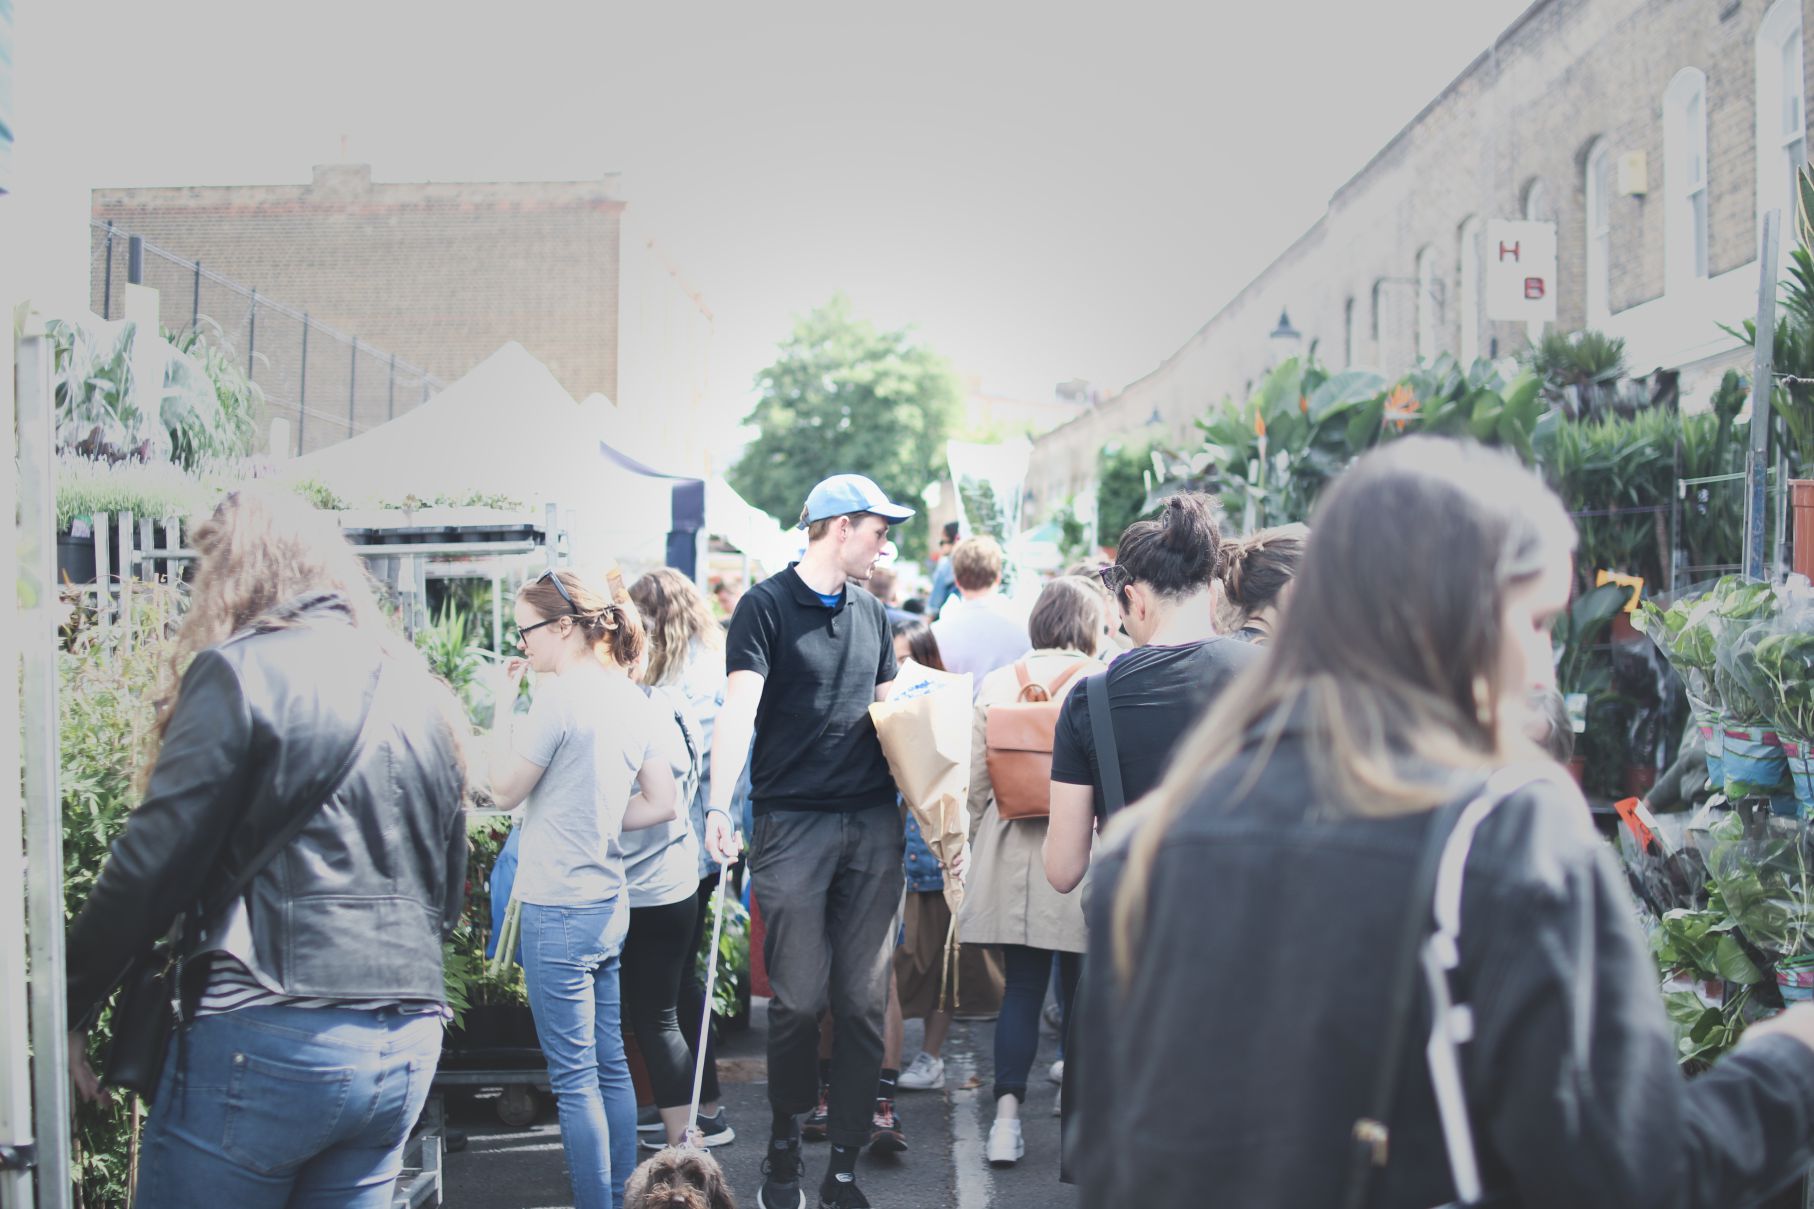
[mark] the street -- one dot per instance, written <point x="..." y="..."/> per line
<point x="944" y="1168"/>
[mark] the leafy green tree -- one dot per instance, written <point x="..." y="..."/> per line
<point x="844" y="396"/>
<point x="1121" y="474"/>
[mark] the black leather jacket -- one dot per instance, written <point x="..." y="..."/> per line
<point x="358" y="904"/>
<point x="1232" y="1069"/>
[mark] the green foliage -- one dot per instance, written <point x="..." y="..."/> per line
<point x="156" y="490"/>
<point x="1121" y="496"/>
<point x="105" y="695"/>
<point x="203" y="408"/>
<point x="319" y="494"/>
<point x="1578" y="632"/>
<point x="1733" y="607"/>
<point x="1580" y="370"/>
<point x="1616" y="474"/>
<point x="1269" y="457"/>
<point x="231" y="429"/>
<point x="1785" y="661"/>
<point x="730" y="993"/>
<point x="1713" y="514"/>
<point x="845" y="396"/>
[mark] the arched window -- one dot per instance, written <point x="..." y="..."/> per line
<point x="1782" y="133"/>
<point x="1350" y="336"/>
<point x="1468" y="286"/>
<point x="1536" y="203"/>
<point x="1426" y="304"/>
<point x="1599" y="232"/>
<point x="1685" y="177"/>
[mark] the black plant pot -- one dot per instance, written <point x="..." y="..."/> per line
<point x="75" y="559"/>
<point x="494" y="1036"/>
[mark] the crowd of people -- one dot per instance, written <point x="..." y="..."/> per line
<point x="1230" y="799"/>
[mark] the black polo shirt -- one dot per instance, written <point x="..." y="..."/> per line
<point x="816" y="748"/>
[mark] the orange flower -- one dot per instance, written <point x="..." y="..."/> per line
<point x="1401" y="407"/>
<point x="1304" y="404"/>
<point x="1259" y="425"/>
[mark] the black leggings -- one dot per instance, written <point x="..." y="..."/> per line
<point x="692" y="995"/>
<point x="655" y="954"/>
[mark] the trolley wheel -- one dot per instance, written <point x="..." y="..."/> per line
<point x="517" y="1105"/>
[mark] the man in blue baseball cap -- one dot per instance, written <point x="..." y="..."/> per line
<point x="808" y="652"/>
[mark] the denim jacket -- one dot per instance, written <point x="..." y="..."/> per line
<point x="1232" y="1066"/>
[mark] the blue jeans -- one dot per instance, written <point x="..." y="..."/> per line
<point x="570" y="962"/>
<point x="288" y="1108"/>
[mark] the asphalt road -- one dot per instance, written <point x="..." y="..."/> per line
<point x="944" y="1167"/>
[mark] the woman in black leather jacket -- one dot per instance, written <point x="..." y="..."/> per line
<point x="313" y="1000"/>
<point x="1244" y="930"/>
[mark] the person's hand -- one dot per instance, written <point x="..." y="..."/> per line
<point x="1796" y="1022"/>
<point x="81" y="1075"/>
<point x="515" y="668"/>
<point x="960" y="864"/>
<point x="721" y="840"/>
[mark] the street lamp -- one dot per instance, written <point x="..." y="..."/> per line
<point x="1284" y="339"/>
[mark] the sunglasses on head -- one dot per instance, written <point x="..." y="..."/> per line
<point x="1114" y="577"/>
<point x="523" y="631"/>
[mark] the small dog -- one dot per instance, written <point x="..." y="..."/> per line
<point x="679" y="1177"/>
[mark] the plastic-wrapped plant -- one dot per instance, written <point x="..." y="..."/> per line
<point x="1760" y="865"/>
<point x="1735" y="606"/>
<point x="1683" y="634"/>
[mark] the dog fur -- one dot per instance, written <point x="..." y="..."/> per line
<point x="679" y="1177"/>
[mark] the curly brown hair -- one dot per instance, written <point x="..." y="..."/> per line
<point x="676" y="615"/>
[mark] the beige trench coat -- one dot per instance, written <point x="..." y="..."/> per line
<point x="1007" y="899"/>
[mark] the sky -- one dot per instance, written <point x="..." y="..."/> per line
<point x="1042" y="195"/>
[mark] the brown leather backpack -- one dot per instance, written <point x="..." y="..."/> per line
<point x="1018" y="738"/>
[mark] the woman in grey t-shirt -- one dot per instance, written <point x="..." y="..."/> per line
<point x="589" y="736"/>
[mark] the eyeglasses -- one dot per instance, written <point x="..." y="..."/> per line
<point x="1114" y="577"/>
<point x="523" y="631"/>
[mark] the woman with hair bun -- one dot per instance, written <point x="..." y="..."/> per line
<point x="589" y="736"/>
<point x="1165" y="582"/>
<point x="1257" y="571"/>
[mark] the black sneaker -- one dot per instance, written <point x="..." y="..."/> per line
<point x="841" y="1194"/>
<point x="712" y="1131"/>
<point x="885" y="1133"/>
<point x="817" y="1126"/>
<point x="781" y="1172"/>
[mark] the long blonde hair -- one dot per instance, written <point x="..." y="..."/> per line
<point x="264" y="548"/>
<point x="1388" y="648"/>
<point x="677" y="616"/>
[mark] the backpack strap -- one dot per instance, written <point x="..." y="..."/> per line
<point x="1108" y="756"/>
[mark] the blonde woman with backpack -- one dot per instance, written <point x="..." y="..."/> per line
<point x="1008" y="901"/>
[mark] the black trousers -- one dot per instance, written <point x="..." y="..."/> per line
<point x="829" y="885"/>
<point x="655" y="954"/>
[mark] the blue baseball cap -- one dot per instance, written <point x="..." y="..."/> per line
<point x="843" y="494"/>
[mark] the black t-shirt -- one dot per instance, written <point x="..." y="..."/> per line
<point x="1156" y="694"/>
<point x="816" y="748"/>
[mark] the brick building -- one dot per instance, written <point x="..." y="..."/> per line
<point x="439" y="274"/>
<point x="1653" y="133"/>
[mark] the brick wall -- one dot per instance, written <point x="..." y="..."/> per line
<point x="440" y="274"/>
<point x="1566" y="73"/>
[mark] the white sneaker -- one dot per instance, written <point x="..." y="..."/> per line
<point x="1056" y="1074"/>
<point x="925" y="1073"/>
<point x="1006" y="1146"/>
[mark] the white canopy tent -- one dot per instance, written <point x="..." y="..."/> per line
<point x="509" y="428"/>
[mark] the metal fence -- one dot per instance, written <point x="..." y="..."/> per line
<point x="328" y="384"/>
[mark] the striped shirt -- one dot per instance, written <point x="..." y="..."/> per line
<point x="231" y="987"/>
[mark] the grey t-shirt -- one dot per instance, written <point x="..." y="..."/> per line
<point x="590" y="730"/>
<point x="662" y="862"/>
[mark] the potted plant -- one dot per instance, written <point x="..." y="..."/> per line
<point x="1752" y="754"/>
<point x="1760" y="866"/>
<point x="1682" y="633"/>
<point x="1784" y="658"/>
<point x="1583" y="671"/>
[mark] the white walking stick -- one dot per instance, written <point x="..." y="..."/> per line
<point x="693" y="1133"/>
